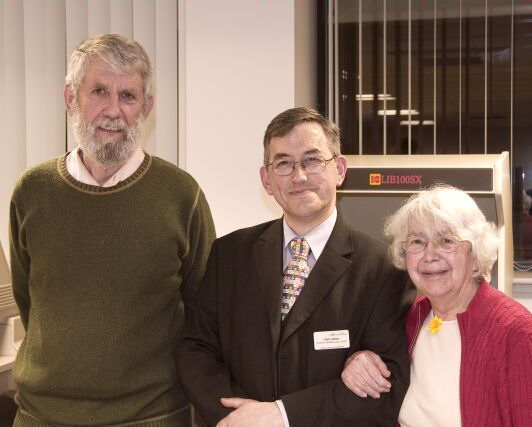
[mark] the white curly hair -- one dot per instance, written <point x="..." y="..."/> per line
<point x="443" y="209"/>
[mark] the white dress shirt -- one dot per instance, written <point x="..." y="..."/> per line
<point x="77" y="169"/>
<point x="317" y="239"/>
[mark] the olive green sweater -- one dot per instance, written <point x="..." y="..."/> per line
<point x="102" y="277"/>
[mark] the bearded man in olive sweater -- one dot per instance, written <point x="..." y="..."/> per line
<point x="108" y="245"/>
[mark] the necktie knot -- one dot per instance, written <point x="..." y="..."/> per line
<point x="299" y="247"/>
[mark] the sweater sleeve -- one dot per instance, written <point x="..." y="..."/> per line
<point x="201" y="234"/>
<point x="20" y="266"/>
<point x="519" y="375"/>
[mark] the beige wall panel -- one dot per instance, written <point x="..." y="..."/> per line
<point x="166" y="79"/>
<point x="144" y="33"/>
<point x="44" y="47"/>
<point x="12" y="111"/>
<point x="305" y="55"/>
<point x="77" y="26"/>
<point x="76" y="30"/>
<point x="121" y="12"/>
<point x="99" y="17"/>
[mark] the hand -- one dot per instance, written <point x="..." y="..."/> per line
<point x="365" y="374"/>
<point x="249" y="412"/>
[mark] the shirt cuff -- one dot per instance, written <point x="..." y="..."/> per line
<point x="280" y="404"/>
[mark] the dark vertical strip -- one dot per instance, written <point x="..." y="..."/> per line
<point x="517" y="202"/>
<point x="443" y="123"/>
<point x="418" y="146"/>
<point x="376" y="77"/>
<point x="398" y="87"/>
<point x="489" y="76"/>
<point x="347" y="87"/>
<point x="357" y="104"/>
<point x="514" y="92"/>
<point x="322" y="41"/>
<point x="466" y="134"/>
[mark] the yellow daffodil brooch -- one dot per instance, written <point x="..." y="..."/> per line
<point x="435" y="324"/>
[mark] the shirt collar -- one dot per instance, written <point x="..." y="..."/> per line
<point x="77" y="169"/>
<point x="317" y="237"/>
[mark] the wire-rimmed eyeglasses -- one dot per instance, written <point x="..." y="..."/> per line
<point x="311" y="165"/>
<point x="415" y="244"/>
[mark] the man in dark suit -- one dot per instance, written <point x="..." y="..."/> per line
<point x="284" y="304"/>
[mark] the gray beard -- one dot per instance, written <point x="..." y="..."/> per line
<point x="107" y="150"/>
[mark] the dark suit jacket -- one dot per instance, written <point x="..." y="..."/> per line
<point x="236" y="345"/>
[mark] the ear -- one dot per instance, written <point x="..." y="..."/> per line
<point x="341" y="166"/>
<point x="69" y="98"/>
<point x="148" y="106"/>
<point x="265" y="179"/>
<point x="476" y="267"/>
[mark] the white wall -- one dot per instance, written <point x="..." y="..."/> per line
<point x="237" y="71"/>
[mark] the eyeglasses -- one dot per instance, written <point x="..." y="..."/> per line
<point x="310" y="165"/>
<point x="414" y="245"/>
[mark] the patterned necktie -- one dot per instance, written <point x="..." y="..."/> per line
<point x="295" y="274"/>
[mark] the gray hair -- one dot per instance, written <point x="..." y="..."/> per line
<point x="439" y="210"/>
<point x="285" y="122"/>
<point x="120" y="53"/>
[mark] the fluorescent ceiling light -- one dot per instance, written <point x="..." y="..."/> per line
<point x="416" y="122"/>
<point x="394" y="112"/>
<point x="370" y="97"/>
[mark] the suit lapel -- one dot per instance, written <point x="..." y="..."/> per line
<point x="329" y="268"/>
<point x="268" y="259"/>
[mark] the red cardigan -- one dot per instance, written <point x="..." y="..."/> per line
<point x="496" y="362"/>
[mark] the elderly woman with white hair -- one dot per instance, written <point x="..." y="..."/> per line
<point x="470" y="345"/>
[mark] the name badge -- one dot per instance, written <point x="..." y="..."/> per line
<point x="329" y="340"/>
